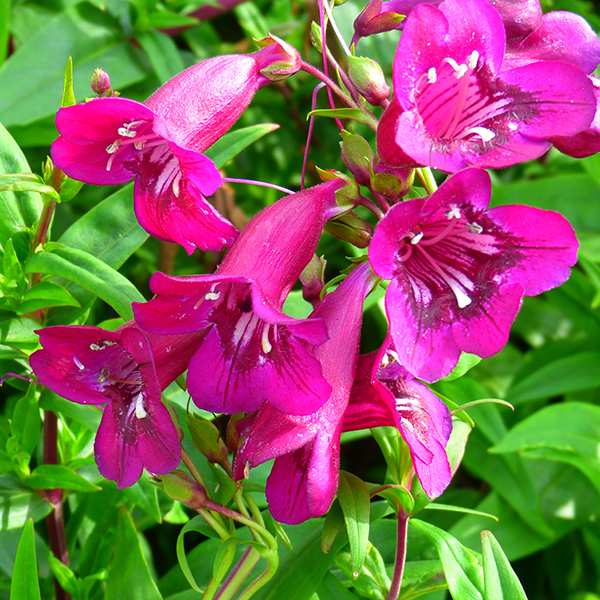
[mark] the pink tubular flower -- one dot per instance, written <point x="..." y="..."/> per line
<point x="457" y="103"/>
<point x="459" y="272"/>
<point x="89" y="365"/>
<point x="305" y="475"/>
<point x="108" y="141"/>
<point x="255" y="351"/>
<point x="385" y="394"/>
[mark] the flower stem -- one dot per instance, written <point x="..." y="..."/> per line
<point x="189" y="463"/>
<point x="239" y="574"/>
<point x="55" y="521"/>
<point x="394" y="592"/>
<point x="334" y="87"/>
<point x="426" y="177"/>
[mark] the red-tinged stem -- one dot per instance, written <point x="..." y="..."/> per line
<point x="400" y="556"/>
<point x="55" y="521"/>
<point x="332" y="85"/>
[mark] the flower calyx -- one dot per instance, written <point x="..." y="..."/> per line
<point x="277" y="59"/>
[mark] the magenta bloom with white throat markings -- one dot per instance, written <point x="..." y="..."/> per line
<point x="459" y="272"/>
<point x="89" y="365"/>
<point x="458" y="105"/>
<point x="254" y="351"/>
<point x="385" y="394"/>
<point x="108" y="141"/>
<point x="306" y="448"/>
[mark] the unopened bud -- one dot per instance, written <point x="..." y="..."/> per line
<point x="375" y="18"/>
<point x="277" y="59"/>
<point x="180" y="486"/>
<point x="207" y="439"/>
<point x="357" y="156"/>
<point x="313" y="279"/>
<point x="347" y="197"/>
<point x="351" y="228"/>
<point x="100" y="82"/>
<point x="392" y="182"/>
<point x="368" y="77"/>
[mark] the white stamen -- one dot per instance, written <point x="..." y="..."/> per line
<point x="462" y="69"/>
<point x="431" y="75"/>
<point x="452" y="63"/>
<point x="485" y="134"/>
<point x="453" y="213"/>
<point x="176" y="184"/>
<point x="241" y="326"/>
<point x="104" y="375"/>
<point x="474" y="227"/>
<point x="416" y="238"/>
<point x="139" y="145"/>
<point x="266" y="344"/>
<point x="104" y="344"/>
<point x="112" y="148"/>
<point x="79" y="364"/>
<point x="140" y="411"/>
<point x="473" y="59"/>
<point x="461" y="298"/>
<point x="126" y="132"/>
<point x="213" y="295"/>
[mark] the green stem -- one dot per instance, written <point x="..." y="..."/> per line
<point x="426" y="177"/>
<point x="272" y="565"/>
<point x="216" y="524"/>
<point x="400" y="556"/>
<point x="239" y="574"/>
<point x="189" y="463"/>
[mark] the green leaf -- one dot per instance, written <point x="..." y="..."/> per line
<point x="331" y="588"/>
<point x="65" y="577"/>
<point x="19" y="333"/>
<point x="32" y="81"/>
<point x="58" y="476"/>
<point x="26" y="182"/>
<point x="463" y="572"/>
<point x="26" y="422"/>
<point x="128" y="574"/>
<point x="91" y="274"/>
<point x="168" y="20"/>
<point x="18" y="503"/>
<point x="18" y="210"/>
<point x="4" y="30"/>
<point x="354" y="498"/>
<point x="334" y="523"/>
<point x="499" y="579"/>
<point x="398" y="497"/>
<point x="569" y="374"/>
<point x="145" y="496"/>
<point x="162" y="53"/>
<point x="196" y="524"/>
<point x="87" y="415"/>
<point x="302" y="569"/>
<point x="25" y="584"/>
<point x="44" y="295"/>
<point x="68" y="97"/>
<point x="231" y="144"/>
<point x="341" y="113"/>
<point x="465" y="363"/>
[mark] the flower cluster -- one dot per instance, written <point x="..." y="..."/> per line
<point x="476" y="84"/>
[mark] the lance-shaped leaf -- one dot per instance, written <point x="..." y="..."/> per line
<point x="25" y="584"/>
<point x="499" y="579"/>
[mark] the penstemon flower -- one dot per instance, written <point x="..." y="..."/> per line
<point x="304" y="478"/>
<point x="109" y="141"/>
<point x="89" y="365"/>
<point x="456" y="104"/>
<point x="386" y="394"/>
<point x="255" y="351"/>
<point x="459" y="272"/>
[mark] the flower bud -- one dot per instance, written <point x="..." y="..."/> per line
<point x="392" y="182"/>
<point x="368" y="77"/>
<point x="351" y="228"/>
<point x="207" y="439"/>
<point x="180" y="486"/>
<point x="277" y="59"/>
<point x="100" y="82"/>
<point x="357" y="156"/>
<point x="313" y="280"/>
<point x="347" y="196"/>
<point x="375" y="18"/>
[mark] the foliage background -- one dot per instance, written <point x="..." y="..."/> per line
<point x="537" y="468"/>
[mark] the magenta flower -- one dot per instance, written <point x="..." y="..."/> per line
<point x="305" y="475"/>
<point x="108" y="141"/>
<point x="254" y="350"/>
<point x="89" y="365"/>
<point x="458" y="105"/>
<point x="386" y="395"/>
<point x="459" y="272"/>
